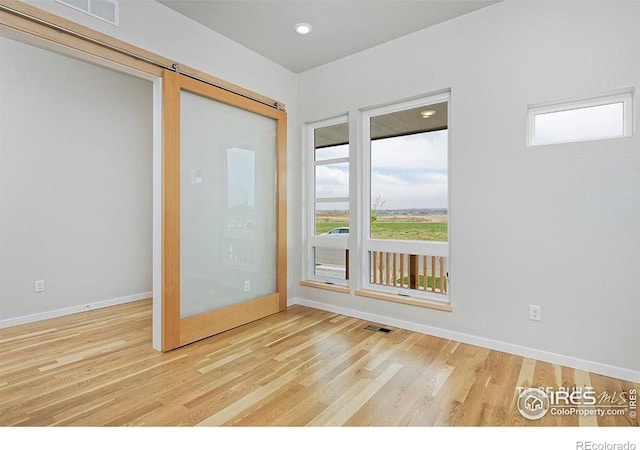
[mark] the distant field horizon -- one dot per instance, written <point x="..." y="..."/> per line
<point x="405" y="224"/>
<point x="393" y="211"/>
<point x="410" y="215"/>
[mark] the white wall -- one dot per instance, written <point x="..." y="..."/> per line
<point x="557" y="226"/>
<point x="154" y="27"/>
<point x="75" y="183"/>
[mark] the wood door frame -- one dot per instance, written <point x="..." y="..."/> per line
<point x="177" y="332"/>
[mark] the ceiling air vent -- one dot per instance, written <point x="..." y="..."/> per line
<point x="106" y="10"/>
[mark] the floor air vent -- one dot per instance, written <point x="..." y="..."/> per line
<point x="377" y="328"/>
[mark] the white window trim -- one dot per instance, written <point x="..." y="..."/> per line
<point x="430" y="248"/>
<point x="626" y="98"/>
<point x="313" y="240"/>
<point x="325" y="162"/>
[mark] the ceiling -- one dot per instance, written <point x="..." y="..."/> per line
<point x="340" y="28"/>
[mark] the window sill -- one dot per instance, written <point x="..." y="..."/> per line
<point x="406" y="300"/>
<point x="328" y="287"/>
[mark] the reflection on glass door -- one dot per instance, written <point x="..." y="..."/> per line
<point x="224" y="211"/>
<point x="226" y="257"/>
<point x="241" y="209"/>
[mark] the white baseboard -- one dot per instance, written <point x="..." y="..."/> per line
<point x="72" y="310"/>
<point x="550" y="357"/>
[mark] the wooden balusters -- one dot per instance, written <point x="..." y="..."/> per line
<point x="395" y="270"/>
<point x="346" y="264"/>
<point x="414" y="276"/>
<point x="433" y="274"/>
<point x="426" y="273"/>
<point x="443" y="277"/>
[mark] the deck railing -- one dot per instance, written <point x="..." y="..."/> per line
<point x="419" y="272"/>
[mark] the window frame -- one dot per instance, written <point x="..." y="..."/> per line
<point x="431" y="248"/>
<point x="340" y="240"/>
<point x="624" y="97"/>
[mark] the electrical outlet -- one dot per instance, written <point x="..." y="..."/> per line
<point x="534" y="312"/>
<point x="38" y="286"/>
<point x="247" y="285"/>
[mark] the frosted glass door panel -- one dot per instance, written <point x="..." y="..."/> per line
<point x="227" y="205"/>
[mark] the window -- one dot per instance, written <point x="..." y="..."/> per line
<point x="328" y="218"/>
<point x="596" y="118"/>
<point x="406" y="184"/>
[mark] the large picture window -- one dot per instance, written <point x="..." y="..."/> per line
<point x="406" y="184"/>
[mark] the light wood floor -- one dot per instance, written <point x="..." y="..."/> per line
<point x="300" y="367"/>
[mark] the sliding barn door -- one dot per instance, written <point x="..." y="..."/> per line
<point x="224" y="216"/>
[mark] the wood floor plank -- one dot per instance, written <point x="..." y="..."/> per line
<point x="245" y="402"/>
<point x="301" y="367"/>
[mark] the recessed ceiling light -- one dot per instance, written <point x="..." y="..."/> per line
<point x="303" y="28"/>
<point x="428" y="113"/>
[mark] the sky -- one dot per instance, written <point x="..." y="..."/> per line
<point x="580" y="124"/>
<point x="406" y="172"/>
